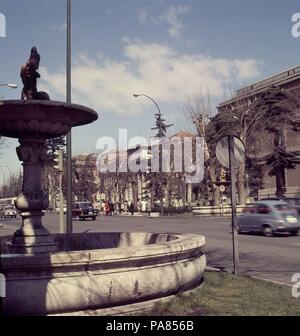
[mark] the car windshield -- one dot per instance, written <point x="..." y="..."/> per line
<point x="9" y="208"/>
<point x="282" y="207"/>
<point x="85" y="205"/>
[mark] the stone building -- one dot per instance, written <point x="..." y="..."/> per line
<point x="288" y="80"/>
<point x="119" y="186"/>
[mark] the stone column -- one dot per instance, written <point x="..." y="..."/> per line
<point x="32" y="237"/>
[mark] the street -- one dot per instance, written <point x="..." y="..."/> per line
<point x="275" y="258"/>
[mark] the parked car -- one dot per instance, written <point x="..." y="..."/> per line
<point x="8" y="211"/>
<point x="84" y="210"/>
<point x="292" y="201"/>
<point x="269" y="217"/>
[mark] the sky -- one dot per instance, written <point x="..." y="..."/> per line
<point x="167" y="49"/>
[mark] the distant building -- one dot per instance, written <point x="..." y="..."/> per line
<point x="119" y="186"/>
<point x="288" y="80"/>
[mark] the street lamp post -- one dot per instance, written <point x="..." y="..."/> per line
<point x="12" y="86"/>
<point x="160" y="134"/>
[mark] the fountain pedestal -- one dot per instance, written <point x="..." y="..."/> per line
<point x="32" y="122"/>
<point x="32" y="237"/>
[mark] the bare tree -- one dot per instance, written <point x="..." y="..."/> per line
<point x="200" y="110"/>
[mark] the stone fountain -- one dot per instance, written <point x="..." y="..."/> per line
<point x="102" y="269"/>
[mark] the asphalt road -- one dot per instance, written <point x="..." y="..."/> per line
<point x="276" y="258"/>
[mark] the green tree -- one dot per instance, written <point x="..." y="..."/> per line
<point x="281" y="110"/>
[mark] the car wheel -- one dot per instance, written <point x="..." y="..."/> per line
<point x="294" y="232"/>
<point x="268" y="231"/>
<point x="81" y="219"/>
<point x="94" y="218"/>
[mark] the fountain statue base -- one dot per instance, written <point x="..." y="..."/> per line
<point x="32" y="122"/>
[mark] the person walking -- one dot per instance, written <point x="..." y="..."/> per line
<point x="144" y="207"/>
<point x="107" y="208"/>
<point x="148" y="205"/>
<point x="131" y="208"/>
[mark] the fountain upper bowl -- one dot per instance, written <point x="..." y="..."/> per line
<point x="42" y="119"/>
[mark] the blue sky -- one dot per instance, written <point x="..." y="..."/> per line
<point x="167" y="49"/>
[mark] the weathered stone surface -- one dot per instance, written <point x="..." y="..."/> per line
<point x="93" y="279"/>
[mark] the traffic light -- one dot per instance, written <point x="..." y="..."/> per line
<point x="59" y="160"/>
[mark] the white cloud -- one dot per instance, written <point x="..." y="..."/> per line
<point x="172" y="18"/>
<point x="154" y="69"/>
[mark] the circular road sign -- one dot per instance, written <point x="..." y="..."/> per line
<point x="222" y="188"/>
<point x="222" y="151"/>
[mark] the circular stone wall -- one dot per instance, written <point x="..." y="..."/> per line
<point x="104" y="270"/>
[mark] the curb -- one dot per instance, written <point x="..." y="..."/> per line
<point x="213" y="269"/>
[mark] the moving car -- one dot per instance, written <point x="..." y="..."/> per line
<point x="8" y="211"/>
<point x="294" y="202"/>
<point x="269" y="217"/>
<point x="84" y="210"/>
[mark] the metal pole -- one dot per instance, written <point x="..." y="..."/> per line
<point x="69" y="135"/>
<point x="233" y="206"/>
<point x="161" y="184"/>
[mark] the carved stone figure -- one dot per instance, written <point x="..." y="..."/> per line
<point x="29" y="77"/>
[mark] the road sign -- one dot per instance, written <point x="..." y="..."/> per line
<point x="222" y="151"/>
<point x="222" y="188"/>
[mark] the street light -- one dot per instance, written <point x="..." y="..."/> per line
<point x="13" y="86"/>
<point x="160" y="134"/>
<point x="139" y="95"/>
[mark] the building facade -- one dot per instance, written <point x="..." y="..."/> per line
<point x="287" y="80"/>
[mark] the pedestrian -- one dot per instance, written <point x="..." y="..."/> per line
<point x="112" y="208"/>
<point x="103" y="208"/>
<point x="117" y="208"/>
<point x="107" y="208"/>
<point x="139" y="206"/>
<point x="144" y="206"/>
<point x="148" y="206"/>
<point x="131" y="208"/>
<point x="122" y="207"/>
<point x="126" y="207"/>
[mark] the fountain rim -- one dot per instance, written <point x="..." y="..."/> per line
<point x="180" y="242"/>
<point x="49" y="103"/>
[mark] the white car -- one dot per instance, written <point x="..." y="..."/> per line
<point x="8" y="211"/>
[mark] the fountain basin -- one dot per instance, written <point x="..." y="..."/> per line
<point x="41" y="118"/>
<point x="103" y="270"/>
